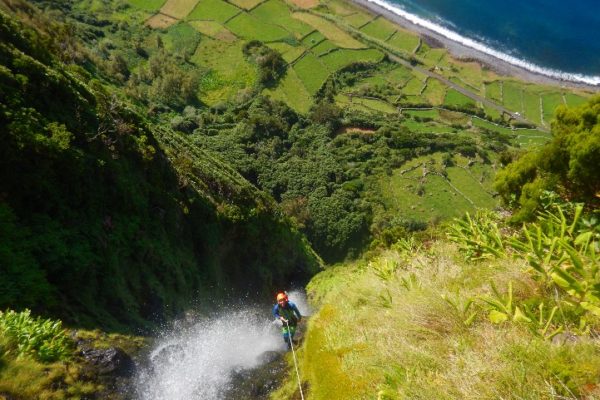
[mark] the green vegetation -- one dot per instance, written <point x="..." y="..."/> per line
<point x="249" y="27"/>
<point x="271" y="66"/>
<point x="147" y="5"/>
<point x="379" y="28"/>
<point x="420" y="321"/>
<point x="567" y="164"/>
<point x="115" y="204"/>
<point x="311" y="72"/>
<point x="45" y="340"/>
<point x="277" y="12"/>
<point x="217" y="10"/>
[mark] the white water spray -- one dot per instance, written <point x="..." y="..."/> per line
<point x="199" y="362"/>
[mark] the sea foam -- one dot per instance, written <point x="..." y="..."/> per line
<point x="447" y="33"/>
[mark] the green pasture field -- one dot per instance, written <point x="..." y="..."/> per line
<point x="433" y="113"/>
<point x="531" y="106"/>
<point x="277" y="13"/>
<point x="432" y="57"/>
<point x="470" y="74"/>
<point x="225" y="81"/>
<point x="399" y="76"/>
<point x="181" y="38"/>
<point x="468" y="184"/>
<point x="329" y="30"/>
<point x="376" y="105"/>
<point x="246" y="4"/>
<point x="178" y="8"/>
<point x="340" y="7"/>
<point x="358" y="19"/>
<point x="439" y="200"/>
<point x="147" y="5"/>
<point x="493" y="91"/>
<point x="368" y="105"/>
<point x="532" y="137"/>
<point x="213" y="29"/>
<point x="379" y="28"/>
<point x="513" y="96"/>
<point x="248" y="27"/>
<point x="413" y="87"/>
<point x="404" y="41"/>
<point x="323" y="47"/>
<point x="455" y="98"/>
<point x="343" y="57"/>
<point x="574" y="99"/>
<point x="376" y="80"/>
<point x="491" y="112"/>
<point x="454" y="117"/>
<point x="288" y="52"/>
<point x="292" y="91"/>
<point x="216" y="10"/>
<point x="311" y="72"/>
<point x="467" y="74"/>
<point x="549" y="103"/>
<point x="313" y="39"/>
<point x="427" y="127"/>
<point x="478" y="122"/>
<point x="435" y="92"/>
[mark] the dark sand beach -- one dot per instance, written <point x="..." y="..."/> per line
<point x="462" y="52"/>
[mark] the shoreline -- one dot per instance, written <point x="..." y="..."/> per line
<point x="463" y="52"/>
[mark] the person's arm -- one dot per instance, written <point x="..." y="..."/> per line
<point x="276" y="312"/>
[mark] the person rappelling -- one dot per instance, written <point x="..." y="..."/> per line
<point x="288" y="313"/>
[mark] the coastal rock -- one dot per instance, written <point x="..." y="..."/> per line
<point x="111" y="361"/>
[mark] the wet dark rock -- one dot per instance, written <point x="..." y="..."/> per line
<point x="112" y="361"/>
<point x="269" y="357"/>
<point x="259" y="382"/>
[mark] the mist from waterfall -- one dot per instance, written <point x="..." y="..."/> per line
<point x="198" y="360"/>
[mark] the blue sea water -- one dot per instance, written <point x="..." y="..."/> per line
<point x="561" y="38"/>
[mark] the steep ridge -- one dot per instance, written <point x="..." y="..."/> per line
<point x="107" y="221"/>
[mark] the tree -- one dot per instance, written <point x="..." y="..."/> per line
<point x="567" y="164"/>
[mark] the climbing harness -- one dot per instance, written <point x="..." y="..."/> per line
<point x="295" y="361"/>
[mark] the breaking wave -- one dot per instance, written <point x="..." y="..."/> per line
<point x="473" y="44"/>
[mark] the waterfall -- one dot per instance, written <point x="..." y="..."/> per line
<point x="200" y="360"/>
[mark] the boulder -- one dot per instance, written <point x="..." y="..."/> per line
<point x="111" y="361"/>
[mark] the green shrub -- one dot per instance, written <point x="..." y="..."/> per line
<point x="44" y="339"/>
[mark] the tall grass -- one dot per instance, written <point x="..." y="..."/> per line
<point x="422" y="321"/>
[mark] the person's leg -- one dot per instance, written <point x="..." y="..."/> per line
<point x="287" y="336"/>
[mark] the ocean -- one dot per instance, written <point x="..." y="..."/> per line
<point x="554" y="37"/>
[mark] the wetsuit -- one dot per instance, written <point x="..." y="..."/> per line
<point x="292" y="314"/>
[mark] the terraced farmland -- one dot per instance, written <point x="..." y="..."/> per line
<point x="316" y="46"/>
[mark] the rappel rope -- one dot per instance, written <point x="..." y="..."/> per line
<point x="295" y="361"/>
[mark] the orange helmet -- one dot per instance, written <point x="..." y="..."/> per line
<point x="282" y="296"/>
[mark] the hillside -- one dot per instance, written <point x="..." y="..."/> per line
<point x="480" y="307"/>
<point x="422" y="320"/>
<point x="110" y="221"/>
<point x="357" y="128"/>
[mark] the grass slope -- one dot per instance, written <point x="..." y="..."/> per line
<point x="384" y="330"/>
